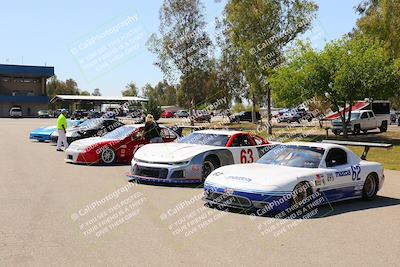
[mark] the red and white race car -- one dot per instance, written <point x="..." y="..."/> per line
<point x="191" y="158"/>
<point x="117" y="146"/>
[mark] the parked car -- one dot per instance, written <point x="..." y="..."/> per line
<point x="77" y="114"/>
<point x="362" y="120"/>
<point x="117" y="146"/>
<point x="90" y="128"/>
<point x="191" y="158"/>
<point x="244" y="116"/>
<point x="202" y="116"/>
<point x="167" y="114"/>
<point x="289" y="118"/>
<point x="16" y="112"/>
<point x="43" y="114"/>
<point x="288" y="176"/>
<point x="181" y="114"/>
<point x="43" y="134"/>
<point x="57" y="113"/>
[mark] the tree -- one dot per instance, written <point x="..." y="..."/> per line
<point x="130" y="89"/>
<point x="260" y="30"/>
<point x="380" y="19"/>
<point x="152" y="107"/>
<point x="96" y="92"/>
<point x="345" y="71"/>
<point x="58" y="87"/>
<point x="183" y="48"/>
<point x="85" y="93"/>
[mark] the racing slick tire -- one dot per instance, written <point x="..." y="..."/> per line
<point x="371" y="186"/>
<point x="383" y="127"/>
<point x="209" y="165"/>
<point x="107" y="156"/>
<point x="300" y="192"/>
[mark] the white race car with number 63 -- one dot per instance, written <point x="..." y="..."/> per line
<point x="290" y="174"/>
<point x="191" y="158"/>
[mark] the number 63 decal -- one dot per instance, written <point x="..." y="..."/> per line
<point x="355" y="172"/>
<point x="246" y="156"/>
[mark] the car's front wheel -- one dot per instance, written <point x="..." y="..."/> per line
<point x="108" y="156"/>
<point x="209" y="165"/>
<point x="371" y="186"/>
<point x="300" y="192"/>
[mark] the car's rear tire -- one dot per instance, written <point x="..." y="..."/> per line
<point x="384" y="127"/>
<point x="107" y="156"/>
<point x="336" y="132"/>
<point x="371" y="186"/>
<point x="209" y="165"/>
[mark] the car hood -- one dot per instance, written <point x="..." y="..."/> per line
<point x="87" y="142"/>
<point x="171" y="152"/>
<point x="256" y="177"/>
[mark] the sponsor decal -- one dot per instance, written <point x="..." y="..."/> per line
<point x="343" y="173"/>
<point x="318" y="180"/>
<point x="228" y="191"/>
<point x="245" y="179"/>
<point x="330" y="178"/>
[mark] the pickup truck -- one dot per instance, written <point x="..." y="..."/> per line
<point x="362" y="120"/>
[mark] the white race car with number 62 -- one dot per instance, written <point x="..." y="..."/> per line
<point x="290" y="174"/>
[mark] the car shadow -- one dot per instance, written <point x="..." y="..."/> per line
<point x="185" y="185"/>
<point x="322" y="211"/>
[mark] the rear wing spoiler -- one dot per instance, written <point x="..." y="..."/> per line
<point x="366" y="145"/>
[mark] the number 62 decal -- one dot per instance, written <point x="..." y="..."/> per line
<point x="355" y="172"/>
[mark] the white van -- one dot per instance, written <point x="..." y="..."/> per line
<point x="16" y="112"/>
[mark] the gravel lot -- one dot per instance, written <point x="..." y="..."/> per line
<point x="53" y="213"/>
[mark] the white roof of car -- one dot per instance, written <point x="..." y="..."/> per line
<point x="219" y="132"/>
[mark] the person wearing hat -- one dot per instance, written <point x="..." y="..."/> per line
<point x="62" y="130"/>
<point x="151" y="130"/>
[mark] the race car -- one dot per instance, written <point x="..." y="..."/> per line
<point x="293" y="174"/>
<point x="117" y="146"/>
<point x="89" y="128"/>
<point x="191" y="158"/>
<point x="43" y="134"/>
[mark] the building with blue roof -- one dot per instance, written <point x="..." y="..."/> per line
<point x="25" y="87"/>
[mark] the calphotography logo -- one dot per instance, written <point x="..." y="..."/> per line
<point x="106" y="47"/>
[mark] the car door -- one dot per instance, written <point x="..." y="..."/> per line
<point x="133" y="142"/>
<point x="338" y="183"/>
<point x="243" y="149"/>
<point x="372" y="120"/>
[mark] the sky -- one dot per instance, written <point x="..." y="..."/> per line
<point x="101" y="44"/>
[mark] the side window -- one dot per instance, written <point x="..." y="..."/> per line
<point x="241" y="140"/>
<point x="167" y="133"/>
<point x="336" y="157"/>
<point x="370" y="114"/>
<point x="364" y="115"/>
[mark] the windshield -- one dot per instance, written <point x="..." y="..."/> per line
<point x="91" y="124"/>
<point x="355" y="116"/>
<point x="72" y="123"/>
<point x="204" y="139"/>
<point x="120" y="133"/>
<point x="293" y="156"/>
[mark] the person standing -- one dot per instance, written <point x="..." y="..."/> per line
<point x="152" y="130"/>
<point x="62" y="130"/>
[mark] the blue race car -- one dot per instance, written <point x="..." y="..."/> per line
<point x="43" y="134"/>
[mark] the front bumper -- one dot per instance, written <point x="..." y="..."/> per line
<point x="40" y="137"/>
<point x="265" y="202"/>
<point x="165" y="173"/>
<point x="79" y="157"/>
